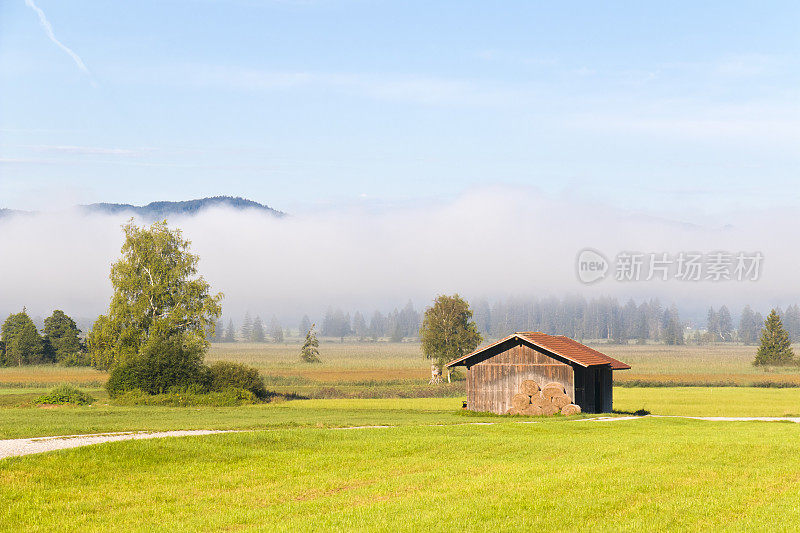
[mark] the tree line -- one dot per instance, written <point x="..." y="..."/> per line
<point x="397" y="325"/>
<point x="59" y="342"/>
<point x="602" y="318"/>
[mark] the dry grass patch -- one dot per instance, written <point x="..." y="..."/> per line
<point x="50" y="375"/>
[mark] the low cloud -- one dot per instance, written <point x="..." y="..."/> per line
<point x="489" y="242"/>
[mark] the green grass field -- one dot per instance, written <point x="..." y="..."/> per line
<point x="556" y="475"/>
<point x="436" y="467"/>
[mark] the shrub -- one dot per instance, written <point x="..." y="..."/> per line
<point x="189" y="397"/>
<point x="65" y="395"/>
<point x="226" y="375"/>
<point x="165" y="362"/>
<point x="75" y="359"/>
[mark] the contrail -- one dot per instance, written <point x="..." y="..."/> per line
<point x="49" y="31"/>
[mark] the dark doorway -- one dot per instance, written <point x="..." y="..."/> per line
<point x="598" y="391"/>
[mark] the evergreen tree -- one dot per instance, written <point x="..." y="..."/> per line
<point x="247" y="327"/>
<point x="776" y="348"/>
<point x="712" y="324"/>
<point x="276" y="330"/>
<point x="618" y="333"/>
<point x="309" y="353"/>
<point x="642" y="332"/>
<point x="359" y="325"/>
<point x="724" y="324"/>
<point x="377" y="325"/>
<point x="672" y="329"/>
<point x="219" y="332"/>
<point x="396" y="335"/>
<point x="61" y="337"/>
<point x="257" y="333"/>
<point x="409" y="320"/>
<point x="749" y="326"/>
<point x="336" y="324"/>
<point x="483" y="316"/>
<point x="791" y="321"/>
<point x="230" y="332"/>
<point x="305" y="325"/>
<point x="328" y="325"/>
<point x="23" y="345"/>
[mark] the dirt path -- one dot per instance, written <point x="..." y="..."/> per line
<point x="17" y="447"/>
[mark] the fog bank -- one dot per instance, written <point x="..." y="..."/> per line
<point x="490" y="242"/>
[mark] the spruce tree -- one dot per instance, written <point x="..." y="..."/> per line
<point x="257" y="333"/>
<point x="310" y="351"/>
<point x="230" y="333"/>
<point x="776" y="348"/>
<point x="247" y="327"/>
<point x="276" y="330"/>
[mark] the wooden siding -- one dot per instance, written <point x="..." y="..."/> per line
<point x="492" y="382"/>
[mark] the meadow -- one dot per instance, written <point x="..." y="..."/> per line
<point x="393" y="463"/>
<point x="649" y="474"/>
<point x="398" y="370"/>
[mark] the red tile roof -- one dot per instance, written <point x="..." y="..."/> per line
<point x="560" y="345"/>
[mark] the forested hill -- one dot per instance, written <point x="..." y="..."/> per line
<point x="159" y="210"/>
<point x="155" y="210"/>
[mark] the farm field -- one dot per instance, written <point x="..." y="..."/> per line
<point x="391" y="370"/>
<point x="643" y="474"/>
<point x="435" y="467"/>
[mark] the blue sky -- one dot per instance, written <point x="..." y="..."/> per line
<point x="672" y="108"/>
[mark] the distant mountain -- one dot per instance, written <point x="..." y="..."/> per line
<point x="8" y="212"/>
<point x="157" y="210"/>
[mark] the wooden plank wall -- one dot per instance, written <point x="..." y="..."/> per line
<point x="492" y="382"/>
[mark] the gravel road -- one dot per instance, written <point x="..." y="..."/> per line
<point x="14" y="447"/>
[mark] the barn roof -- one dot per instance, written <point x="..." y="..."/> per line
<point x="559" y="345"/>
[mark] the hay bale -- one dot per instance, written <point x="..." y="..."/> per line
<point x="570" y="409"/>
<point x="553" y="389"/>
<point x="549" y="410"/>
<point x="520" y="401"/>
<point x="539" y="400"/>
<point x="513" y="411"/>
<point x="560" y="400"/>
<point x="532" y="410"/>
<point x="530" y="387"/>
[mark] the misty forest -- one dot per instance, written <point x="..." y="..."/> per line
<point x="58" y="339"/>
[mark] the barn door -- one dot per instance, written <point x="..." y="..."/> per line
<point x="598" y="391"/>
<point x="580" y="386"/>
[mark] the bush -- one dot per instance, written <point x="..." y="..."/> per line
<point x="226" y="375"/>
<point x="75" y="359"/>
<point x="188" y="398"/>
<point x="65" y="395"/>
<point x="165" y="362"/>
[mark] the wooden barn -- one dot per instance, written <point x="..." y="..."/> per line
<point x="495" y="372"/>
